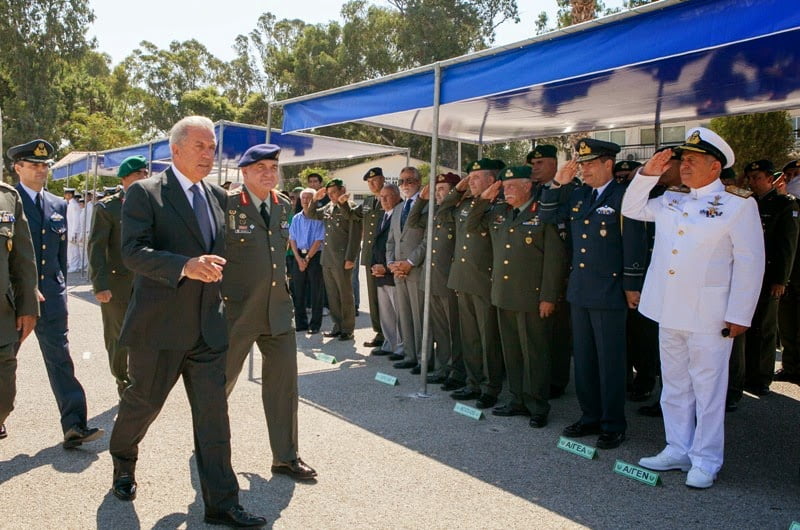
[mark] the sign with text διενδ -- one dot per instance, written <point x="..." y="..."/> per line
<point x="324" y="357"/>
<point x="469" y="412"/>
<point x="386" y="379"/>
<point x="576" y="448"/>
<point x="645" y="476"/>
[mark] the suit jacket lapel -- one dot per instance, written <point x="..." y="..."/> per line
<point x="30" y="210"/>
<point x="175" y="196"/>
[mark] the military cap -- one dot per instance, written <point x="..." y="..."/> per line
<point x="69" y="190"/>
<point x="259" y="152"/>
<point x="761" y="165"/>
<point x="727" y="174"/>
<point x="676" y="155"/>
<point x="110" y="189"/>
<point x="80" y="198"/>
<point x="448" y="178"/>
<point x="485" y="163"/>
<point x="131" y="165"/>
<point x="589" y="149"/>
<point x="626" y="165"/>
<point x="298" y="189"/>
<point x="516" y="172"/>
<point x="794" y="164"/>
<point x="542" y="151"/>
<point x="334" y="182"/>
<point x="702" y="140"/>
<point x="374" y="172"/>
<point x="35" y="151"/>
<point x="100" y="193"/>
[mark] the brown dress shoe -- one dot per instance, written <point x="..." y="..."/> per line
<point x="297" y="469"/>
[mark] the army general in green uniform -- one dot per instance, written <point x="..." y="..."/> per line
<point x="257" y="300"/>
<point x="112" y="282"/>
<point x="528" y="273"/>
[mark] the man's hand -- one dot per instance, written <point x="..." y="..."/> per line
<point x="546" y="309"/>
<point x="633" y="297"/>
<point x="343" y="198"/>
<point x="206" y="268"/>
<point x="735" y="329"/>
<point x="378" y="270"/>
<point x="567" y="172"/>
<point x="463" y="184"/>
<point x="103" y="297"/>
<point x="39" y="295"/>
<point x="25" y="325"/>
<point x="348" y="265"/>
<point x="302" y="264"/>
<point x="491" y="193"/>
<point x="777" y="290"/>
<point x="658" y="164"/>
<point x="425" y="192"/>
<point x="403" y="267"/>
<point x="320" y="194"/>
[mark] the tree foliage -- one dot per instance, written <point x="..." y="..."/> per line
<point x="757" y="136"/>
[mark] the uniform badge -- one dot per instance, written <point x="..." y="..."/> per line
<point x="499" y="219"/>
<point x="7" y="217"/>
<point x="232" y="220"/>
<point x="606" y="210"/>
<point x="449" y="236"/>
<point x="242" y="216"/>
<point x="577" y="207"/>
<point x="56" y="217"/>
<point x="284" y="225"/>
<point x="603" y="232"/>
<point x="528" y="240"/>
<point x="713" y="208"/>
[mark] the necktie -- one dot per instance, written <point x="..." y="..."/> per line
<point x="39" y="206"/>
<point x="594" y="195"/>
<point x="384" y="220"/>
<point x="264" y="213"/>
<point x="200" y="207"/>
<point x="515" y="214"/>
<point x="404" y="214"/>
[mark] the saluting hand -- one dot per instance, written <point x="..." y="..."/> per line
<point x="425" y="192"/>
<point x="206" y="268"/>
<point x="658" y="164"/>
<point x="320" y="194"/>
<point x="567" y="172"/>
<point x="491" y="193"/>
<point x="463" y="184"/>
<point x="343" y="198"/>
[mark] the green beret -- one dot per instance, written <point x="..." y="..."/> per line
<point x="334" y="182"/>
<point x="542" y="151"/>
<point x="516" y="172"/>
<point x="727" y="174"/>
<point x="485" y="163"/>
<point x="131" y="164"/>
<point x="761" y="165"/>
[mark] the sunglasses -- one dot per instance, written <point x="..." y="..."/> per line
<point x="407" y="181"/>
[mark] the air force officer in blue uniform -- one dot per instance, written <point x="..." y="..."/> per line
<point x="46" y="215"/>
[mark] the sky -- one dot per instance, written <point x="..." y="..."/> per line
<point x="120" y="26"/>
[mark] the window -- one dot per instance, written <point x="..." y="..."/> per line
<point x="669" y="135"/>
<point x="618" y="137"/>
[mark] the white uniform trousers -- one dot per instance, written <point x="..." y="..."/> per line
<point x="694" y="368"/>
<point x="390" y="325"/>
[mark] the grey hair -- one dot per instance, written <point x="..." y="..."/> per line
<point x="180" y="130"/>
<point x="411" y="169"/>
<point x="308" y="191"/>
<point x="393" y="188"/>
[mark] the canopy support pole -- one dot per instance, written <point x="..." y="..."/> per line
<point x="458" y="161"/>
<point x="657" y="124"/>
<point x="426" y="314"/>
<point x="150" y="158"/>
<point x="221" y="147"/>
<point x="269" y="122"/>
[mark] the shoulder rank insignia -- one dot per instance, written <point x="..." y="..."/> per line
<point x="739" y="192"/>
<point x="679" y="189"/>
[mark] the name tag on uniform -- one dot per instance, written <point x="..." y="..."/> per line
<point x="8" y="217"/>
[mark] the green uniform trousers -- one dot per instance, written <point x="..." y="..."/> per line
<point x="480" y="343"/>
<point x="339" y="287"/>
<point x="527" y="354"/>
<point x="8" y="380"/>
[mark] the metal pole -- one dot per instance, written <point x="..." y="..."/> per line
<point x="657" y="124"/>
<point x="2" y="165"/>
<point x="219" y="156"/>
<point x="426" y="314"/>
<point x="150" y="158"/>
<point x="269" y="121"/>
<point x="458" y="162"/>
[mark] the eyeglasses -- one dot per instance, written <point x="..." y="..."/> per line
<point x="407" y="181"/>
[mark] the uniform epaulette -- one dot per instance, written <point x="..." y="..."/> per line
<point x="6" y="186"/>
<point x="282" y="195"/>
<point x="739" y="192"/>
<point x="679" y="189"/>
<point x="237" y="191"/>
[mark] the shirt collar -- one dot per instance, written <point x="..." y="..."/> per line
<point x="32" y="194"/>
<point x="256" y="201"/>
<point x="714" y="187"/>
<point x="602" y="188"/>
<point x="185" y="182"/>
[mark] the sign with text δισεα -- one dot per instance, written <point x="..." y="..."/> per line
<point x="386" y="379"/>
<point x="645" y="476"/>
<point x="324" y="357"/>
<point x="469" y="412"/>
<point x="576" y="448"/>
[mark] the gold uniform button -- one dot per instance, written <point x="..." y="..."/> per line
<point x="505" y="277"/>
<point x="433" y="264"/>
<point x="680" y="232"/>
<point x="43" y="231"/>
<point x="586" y="221"/>
<point x="674" y="250"/>
<point x="467" y="235"/>
<point x="581" y="265"/>
<point x="685" y="214"/>
<point x="614" y="274"/>
<point x="436" y="238"/>
<point x="274" y="284"/>
<point x="269" y="232"/>
<point x="225" y="298"/>
<point x="671" y="271"/>
<point x="42" y="262"/>
<point x="41" y="277"/>
<point x="508" y="246"/>
<point x="272" y="249"/>
<point x="463" y="260"/>
<point x="44" y="247"/>
<point x="584" y="236"/>
<point x="433" y="251"/>
<point x="369" y="241"/>
<point x="241" y="240"/>
<point x="464" y="247"/>
<point x="583" y="251"/>
<point x="505" y="262"/>
<point x="274" y="266"/>
<point x="510" y="230"/>
<point x="113" y="271"/>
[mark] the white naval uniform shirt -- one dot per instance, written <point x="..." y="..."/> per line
<point x="708" y="258"/>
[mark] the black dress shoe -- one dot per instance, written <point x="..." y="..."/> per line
<point x="124" y="487"/>
<point x="374" y="343"/>
<point x="784" y="376"/>
<point x="485" y="401"/>
<point x="538" y="421"/>
<point x="331" y="333"/>
<point x="610" y="440"/>
<point x="637" y="396"/>
<point x="651" y="411"/>
<point x="397" y="357"/>
<point x="297" y="469"/>
<point x="758" y="390"/>
<point x="345" y="336"/>
<point x="418" y="370"/>
<point x="434" y="379"/>
<point x="377" y="352"/>
<point x="578" y="429"/>
<point x="3" y="431"/>
<point x="465" y="394"/>
<point x="556" y="391"/>
<point x="298" y="329"/>
<point x="405" y="365"/>
<point x="313" y="331"/>
<point x="510" y="410"/>
<point x="235" y="517"/>
<point x="77" y="435"/>
<point x="453" y="384"/>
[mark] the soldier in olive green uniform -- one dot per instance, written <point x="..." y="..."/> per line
<point x="444" y="303"/>
<point x="257" y="300"/>
<point x="471" y="278"/>
<point x="112" y="282"/>
<point x="19" y="309"/>
<point x="342" y="240"/>
<point x="528" y="271"/>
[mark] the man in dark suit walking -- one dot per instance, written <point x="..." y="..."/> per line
<point x="46" y="215"/>
<point x="173" y="236"/>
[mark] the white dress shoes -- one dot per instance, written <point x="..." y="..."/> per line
<point x="697" y="478"/>
<point x="663" y="462"/>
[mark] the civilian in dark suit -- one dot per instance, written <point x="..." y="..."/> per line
<point x="389" y="197"/>
<point x="173" y="234"/>
<point x="46" y="215"/>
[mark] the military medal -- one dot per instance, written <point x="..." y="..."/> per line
<point x="712" y="210"/>
<point x="232" y="220"/>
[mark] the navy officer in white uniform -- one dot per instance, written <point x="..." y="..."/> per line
<point x="701" y="287"/>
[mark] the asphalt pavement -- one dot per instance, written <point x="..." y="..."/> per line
<point x="387" y="457"/>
